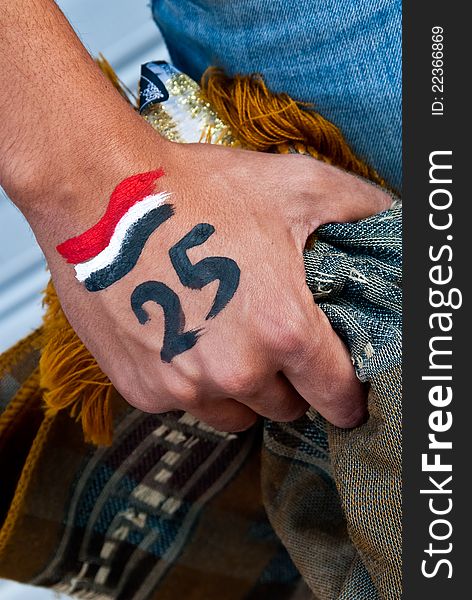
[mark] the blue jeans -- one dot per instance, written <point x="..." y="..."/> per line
<point x="342" y="55"/>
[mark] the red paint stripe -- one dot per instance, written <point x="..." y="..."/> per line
<point x="88" y="244"/>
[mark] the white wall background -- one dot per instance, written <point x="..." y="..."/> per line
<point x="124" y="32"/>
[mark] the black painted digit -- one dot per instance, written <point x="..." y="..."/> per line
<point x="176" y="340"/>
<point x="195" y="276"/>
<point x="198" y="275"/>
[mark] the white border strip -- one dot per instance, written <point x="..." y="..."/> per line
<point x="108" y="255"/>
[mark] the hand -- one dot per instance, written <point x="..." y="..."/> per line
<point x="269" y="349"/>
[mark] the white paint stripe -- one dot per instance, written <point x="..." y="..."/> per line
<point x="108" y="254"/>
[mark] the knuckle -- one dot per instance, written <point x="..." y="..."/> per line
<point x="128" y="391"/>
<point x="141" y="400"/>
<point x="291" y="338"/>
<point x="239" y="383"/>
<point x="385" y="200"/>
<point x="351" y="420"/>
<point x="240" y="425"/>
<point x="149" y="399"/>
<point x="234" y="424"/>
<point x="186" y="395"/>
<point x="292" y="412"/>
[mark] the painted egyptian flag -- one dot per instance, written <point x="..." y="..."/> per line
<point x="111" y="248"/>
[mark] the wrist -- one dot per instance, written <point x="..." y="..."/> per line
<point x="61" y="192"/>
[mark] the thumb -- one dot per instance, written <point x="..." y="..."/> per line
<point x="340" y="197"/>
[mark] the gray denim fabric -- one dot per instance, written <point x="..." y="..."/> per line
<point x="334" y="496"/>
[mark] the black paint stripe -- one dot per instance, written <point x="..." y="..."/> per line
<point x="130" y="250"/>
<point x="176" y="340"/>
<point x="196" y="276"/>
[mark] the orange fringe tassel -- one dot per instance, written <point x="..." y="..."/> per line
<point x="69" y="375"/>
<point x="275" y="122"/>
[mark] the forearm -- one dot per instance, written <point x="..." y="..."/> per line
<point x="62" y="122"/>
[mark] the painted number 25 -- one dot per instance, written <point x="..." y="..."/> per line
<point x="194" y="276"/>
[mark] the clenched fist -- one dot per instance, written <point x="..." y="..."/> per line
<point x="186" y="282"/>
<point x="179" y="266"/>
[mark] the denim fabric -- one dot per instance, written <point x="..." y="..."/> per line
<point x="354" y="272"/>
<point x="342" y="55"/>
